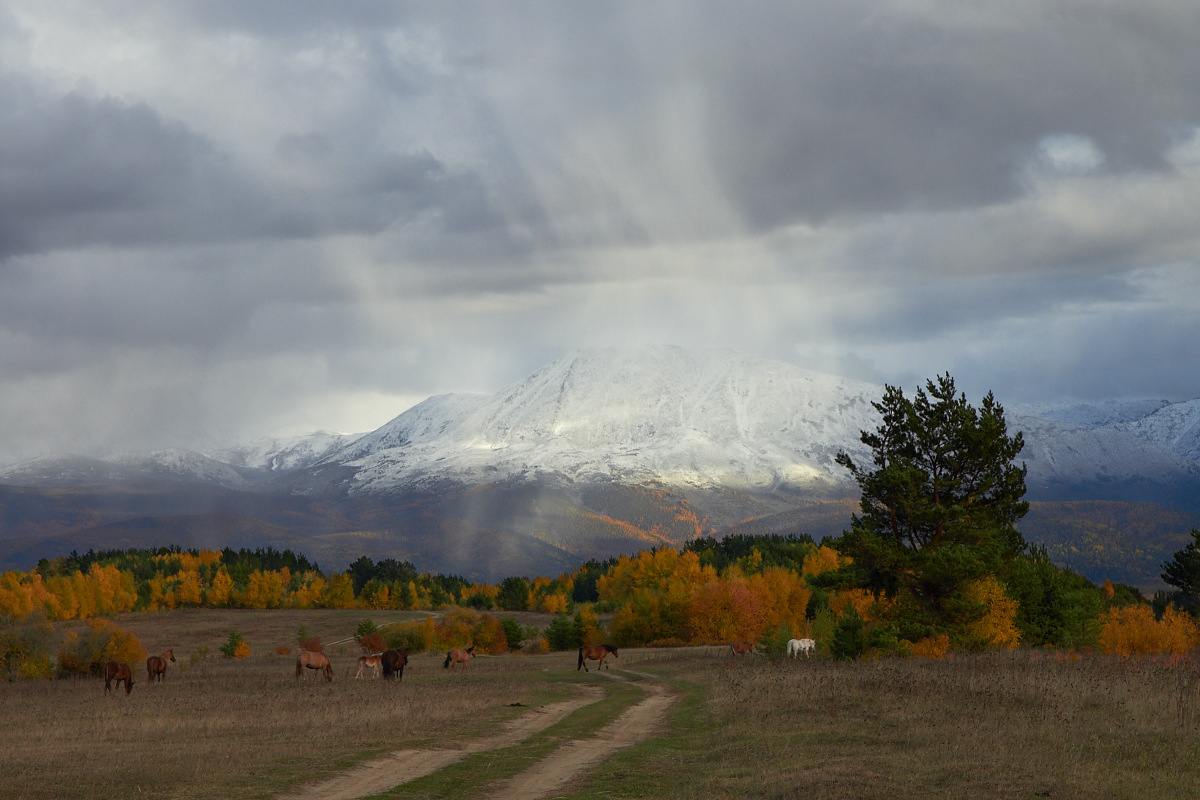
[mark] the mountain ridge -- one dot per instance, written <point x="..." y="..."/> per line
<point x="734" y="437"/>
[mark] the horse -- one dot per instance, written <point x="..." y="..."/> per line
<point x="596" y="652"/>
<point x="120" y="672"/>
<point x="393" y="662"/>
<point x="156" y="666"/>
<point x="456" y="656"/>
<point x="797" y="646"/>
<point x="371" y="661"/>
<point x="738" y="648"/>
<point x="312" y="660"/>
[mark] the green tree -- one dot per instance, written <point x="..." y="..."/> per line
<point x="939" y="505"/>
<point x="1183" y="572"/>
<point x="513" y="594"/>
<point x="563" y="633"/>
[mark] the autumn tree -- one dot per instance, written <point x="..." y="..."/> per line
<point x="939" y="506"/>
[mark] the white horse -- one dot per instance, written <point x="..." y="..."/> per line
<point x="797" y="646"/>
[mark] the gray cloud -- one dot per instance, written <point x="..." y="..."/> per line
<point x="224" y="219"/>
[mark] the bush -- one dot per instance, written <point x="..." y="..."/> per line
<point x="512" y="633"/>
<point x="25" y="651"/>
<point x="773" y="643"/>
<point x="87" y="653"/>
<point x="234" y="647"/>
<point x="415" y="637"/>
<point x="563" y="633"/>
<point x="850" y="637"/>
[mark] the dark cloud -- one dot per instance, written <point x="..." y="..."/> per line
<point x="242" y="216"/>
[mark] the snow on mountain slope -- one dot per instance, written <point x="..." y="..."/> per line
<point x="1062" y="453"/>
<point x="721" y="419"/>
<point x="284" y="454"/>
<point x="710" y="419"/>
<point x="67" y="470"/>
<point x="1175" y="427"/>
<point x="1093" y="414"/>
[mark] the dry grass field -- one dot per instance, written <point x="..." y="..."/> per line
<point x="1010" y="725"/>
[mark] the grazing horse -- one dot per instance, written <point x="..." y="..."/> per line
<point x="456" y="656"/>
<point x="312" y="660"/>
<point x="156" y="666"/>
<point x="738" y="649"/>
<point x="596" y="652"/>
<point x="797" y="646"/>
<point x="120" y="672"/>
<point x="371" y="661"/>
<point x="393" y="662"/>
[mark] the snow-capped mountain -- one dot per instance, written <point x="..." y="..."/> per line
<point x="168" y="464"/>
<point x="1175" y="427"/>
<point x="719" y="419"/>
<point x="277" y="455"/>
<point x="598" y="453"/>
<point x="689" y="419"/>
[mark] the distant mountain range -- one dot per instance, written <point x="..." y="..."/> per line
<point x="601" y="452"/>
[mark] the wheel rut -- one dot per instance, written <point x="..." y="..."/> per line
<point x="638" y="722"/>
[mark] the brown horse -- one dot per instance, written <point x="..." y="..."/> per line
<point x="156" y="666"/>
<point x="393" y="662"/>
<point x="371" y="661"/>
<point x="308" y="658"/>
<point x="596" y="652"/>
<point x="119" y="672"/>
<point x="741" y="648"/>
<point x="457" y="656"/>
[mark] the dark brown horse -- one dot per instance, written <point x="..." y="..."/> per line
<point x="596" y="652"/>
<point x="456" y="656"/>
<point x="393" y="662"/>
<point x="119" y="672"/>
<point x="311" y="660"/>
<point x="156" y="666"/>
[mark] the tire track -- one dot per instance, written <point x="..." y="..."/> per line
<point x="379" y="775"/>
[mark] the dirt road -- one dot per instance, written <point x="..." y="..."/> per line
<point x="638" y="722"/>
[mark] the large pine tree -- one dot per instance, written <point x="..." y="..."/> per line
<point x="940" y="503"/>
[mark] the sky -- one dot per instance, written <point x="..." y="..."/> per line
<point x="223" y="220"/>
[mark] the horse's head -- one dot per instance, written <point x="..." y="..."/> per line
<point x="171" y="655"/>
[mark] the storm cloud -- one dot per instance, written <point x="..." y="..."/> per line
<point x="220" y="220"/>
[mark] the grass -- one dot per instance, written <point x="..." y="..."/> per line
<point x="1005" y="725"/>
<point x="1020" y="725"/>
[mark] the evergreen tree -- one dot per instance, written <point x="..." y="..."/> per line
<point x="939" y="504"/>
<point x="1183" y="572"/>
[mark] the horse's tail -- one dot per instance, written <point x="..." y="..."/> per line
<point x="446" y="663"/>
<point x="581" y="664"/>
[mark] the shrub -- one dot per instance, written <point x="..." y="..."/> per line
<point x="512" y="633"/>
<point x="86" y="653"/>
<point x="233" y="647"/>
<point x="773" y="642"/>
<point x="563" y="634"/>
<point x="850" y="637"/>
<point x="312" y="644"/>
<point x="372" y="643"/>
<point x="415" y="637"/>
<point x="25" y="651"/>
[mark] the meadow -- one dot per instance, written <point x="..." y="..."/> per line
<point x="1019" y="724"/>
